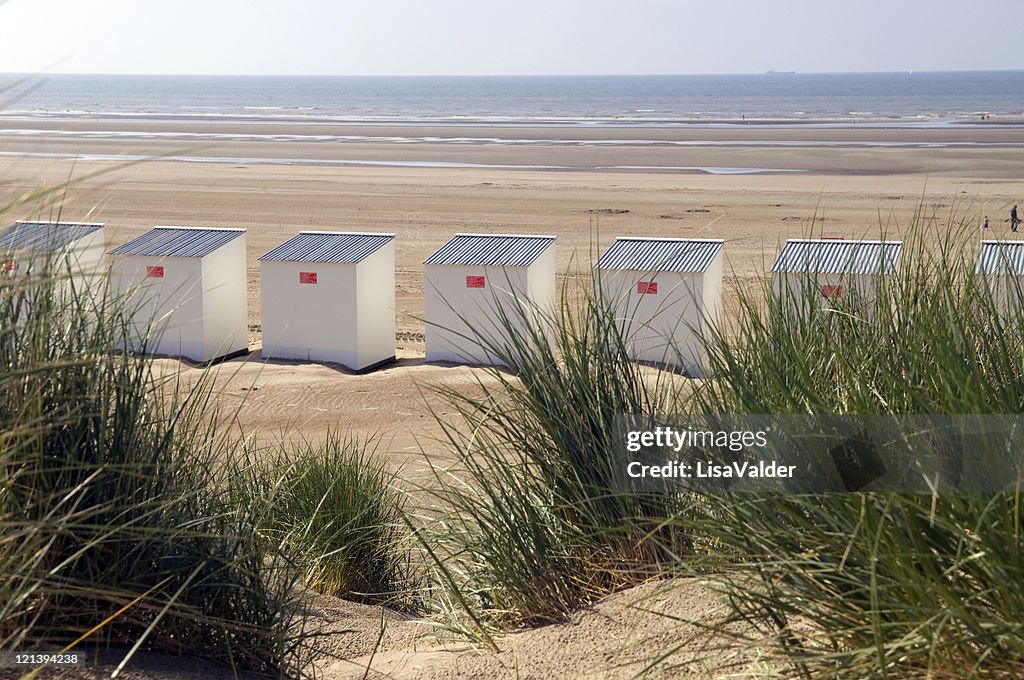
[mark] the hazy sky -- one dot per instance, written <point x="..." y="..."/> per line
<point x="353" y="37"/>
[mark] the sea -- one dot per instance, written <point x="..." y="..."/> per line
<point x="909" y="98"/>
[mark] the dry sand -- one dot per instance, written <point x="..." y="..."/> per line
<point x="616" y="638"/>
<point x="857" y="189"/>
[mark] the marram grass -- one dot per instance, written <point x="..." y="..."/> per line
<point x="875" y="585"/>
<point x="117" y="529"/>
<point x="335" y="511"/>
<point x="532" y="524"/>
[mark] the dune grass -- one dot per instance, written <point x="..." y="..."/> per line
<point x="334" y="510"/>
<point x="870" y="585"/>
<point x="931" y="340"/>
<point x="875" y="585"/>
<point x="534" y="524"/>
<point x="118" y="530"/>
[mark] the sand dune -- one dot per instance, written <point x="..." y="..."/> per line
<point x="615" y="638"/>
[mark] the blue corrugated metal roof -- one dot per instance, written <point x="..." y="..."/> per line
<point x="660" y="254"/>
<point x="327" y="246"/>
<point x="1001" y="258"/>
<point x="178" y="242"/>
<point x="491" y="250"/>
<point x="838" y="257"/>
<point x="27" y="235"/>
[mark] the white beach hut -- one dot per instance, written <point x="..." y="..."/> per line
<point x="817" y="272"/>
<point x="330" y="296"/>
<point x="185" y="288"/>
<point x="1001" y="266"/>
<point x="478" y="287"/>
<point x="665" y="294"/>
<point x="72" y="249"/>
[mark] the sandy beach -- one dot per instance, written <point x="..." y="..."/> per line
<point x="753" y="186"/>
<point x="841" y="182"/>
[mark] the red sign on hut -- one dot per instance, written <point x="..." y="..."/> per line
<point x="832" y="291"/>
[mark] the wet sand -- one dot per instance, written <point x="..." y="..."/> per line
<point x="868" y="149"/>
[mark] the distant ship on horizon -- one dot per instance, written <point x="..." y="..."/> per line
<point x="780" y="73"/>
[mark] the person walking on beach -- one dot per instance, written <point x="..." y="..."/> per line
<point x="984" y="225"/>
<point x="1014" y="220"/>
